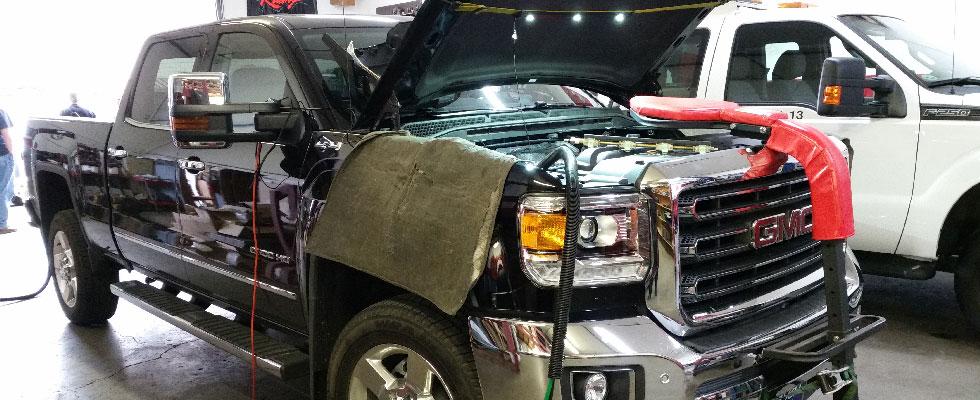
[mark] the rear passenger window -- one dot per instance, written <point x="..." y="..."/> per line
<point x="679" y="75"/>
<point x="780" y="62"/>
<point x="162" y="60"/>
<point x="254" y="73"/>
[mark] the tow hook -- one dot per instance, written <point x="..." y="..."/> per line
<point x="833" y="380"/>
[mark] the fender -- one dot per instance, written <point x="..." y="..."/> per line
<point x="932" y="204"/>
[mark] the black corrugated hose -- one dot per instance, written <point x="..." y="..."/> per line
<point x="563" y="296"/>
<point x="47" y="279"/>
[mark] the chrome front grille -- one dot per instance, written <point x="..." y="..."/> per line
<point x="722" y="275"/>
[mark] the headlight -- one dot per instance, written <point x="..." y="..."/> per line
<point x="613" y="239"/>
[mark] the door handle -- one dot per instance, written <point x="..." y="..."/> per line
<point x="118" y="153"/>
<point x="191" y="164"/>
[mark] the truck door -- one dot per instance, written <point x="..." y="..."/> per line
<point x="216" y="187"/>
<point x="777" y="65"/>
<point x="141" y="162"/>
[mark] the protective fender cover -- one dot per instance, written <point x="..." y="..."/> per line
<point x="826" y="169"/>
<point x="680" y="109"/>
<point x="415" y="212"/>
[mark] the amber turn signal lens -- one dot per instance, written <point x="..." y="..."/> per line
<point x="189" y="123"/>
<point x="831" y="95"/>
<point x="545" y="232"/>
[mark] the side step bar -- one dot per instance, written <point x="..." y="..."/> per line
<point x="274" y="357"/>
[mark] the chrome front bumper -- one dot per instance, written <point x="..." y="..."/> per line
<point x="512" y="359"/>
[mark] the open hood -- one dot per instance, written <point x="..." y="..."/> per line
<point x="610" y="46"/>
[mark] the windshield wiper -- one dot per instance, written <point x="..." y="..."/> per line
<point x="967" y="80"/>
<point x="548" y="106"/>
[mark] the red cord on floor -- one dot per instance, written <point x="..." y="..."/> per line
<point x="255" y="266"/>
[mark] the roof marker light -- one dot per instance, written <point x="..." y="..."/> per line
<point x="794" y="4"/>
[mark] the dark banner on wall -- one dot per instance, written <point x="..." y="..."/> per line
<point x="267" y="7"/>
<point x="407" y="8"/>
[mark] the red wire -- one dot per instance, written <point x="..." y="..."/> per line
<point x="255" y="266"/>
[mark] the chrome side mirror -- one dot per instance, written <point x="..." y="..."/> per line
<point x="200" y="115"/>
<point x="203" y="88"/>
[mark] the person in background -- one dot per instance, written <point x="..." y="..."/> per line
<point x="6" y="170"/>
<point x="74" y="110"/>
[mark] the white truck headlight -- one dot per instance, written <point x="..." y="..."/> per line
<point x="613" y="239"/>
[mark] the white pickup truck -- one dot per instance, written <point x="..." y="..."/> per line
<point x="916" y="164"/>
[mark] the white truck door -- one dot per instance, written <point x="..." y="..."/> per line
<point x="777" y="65"/>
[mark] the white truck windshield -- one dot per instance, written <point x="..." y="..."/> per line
<point x="931" y="61"/>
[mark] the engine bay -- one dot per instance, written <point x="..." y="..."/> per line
<point x="611" y="147"/>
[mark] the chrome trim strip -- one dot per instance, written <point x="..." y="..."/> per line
<point x="693" y="249"/>
<point x="753" y="189"/>
<point x="746" y="267"/>
<point x="733" y="211"/>
<point x="208" y="266"/>
<point x="146" y="125"/>
<point x="764" y="301"/>
<point x="713" y="293"/>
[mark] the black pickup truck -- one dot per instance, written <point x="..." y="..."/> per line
<point x="676" y="295"/>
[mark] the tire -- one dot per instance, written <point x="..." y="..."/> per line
<point x="967" y="283"/>
<point x="404" y="336"/>
<point x="82" y="284"/>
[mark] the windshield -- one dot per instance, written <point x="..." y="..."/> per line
<point x="514" y="97"/>
<point x="929" y="61"/>
<point x="348" y="85"/>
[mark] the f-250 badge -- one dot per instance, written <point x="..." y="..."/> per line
<point x="946" y="112"/>
<point x="777" y="228"/>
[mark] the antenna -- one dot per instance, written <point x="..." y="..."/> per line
<point x="952" y="73"/>
<point x="527" y="135"/>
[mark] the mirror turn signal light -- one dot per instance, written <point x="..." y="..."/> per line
<point x="542" y="232"/>
<point x="831" y="95"/>
<point x="199" y="124"/>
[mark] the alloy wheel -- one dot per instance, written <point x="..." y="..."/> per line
<point x="64" y="269"/>
<point x="395" y="372"/>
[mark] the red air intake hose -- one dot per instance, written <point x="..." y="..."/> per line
<point x="825" y="166"/>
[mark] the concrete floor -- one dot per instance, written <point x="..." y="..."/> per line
<point x="927" y="351"/>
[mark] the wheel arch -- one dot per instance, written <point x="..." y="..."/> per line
<point x="53" y="195"/>
<point x="959" y="226"/>
<point x="336" y="294"/>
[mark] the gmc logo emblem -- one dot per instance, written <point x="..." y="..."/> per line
<point x="777" y="228"/>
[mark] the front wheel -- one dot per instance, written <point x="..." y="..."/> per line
<point x="82" y="284"/>
<point x="402" y="349"/>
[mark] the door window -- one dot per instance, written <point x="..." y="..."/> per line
<point x="679" y="75"/>
<point x="780" y="62"/>
<point x="162" y="60"/>
<point x="254" y="73"/>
